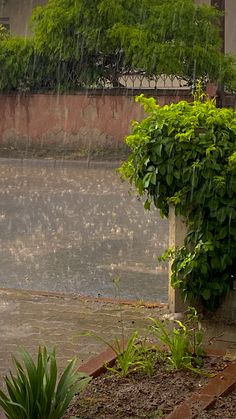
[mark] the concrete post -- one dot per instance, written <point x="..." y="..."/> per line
<point x="177" y="233"/>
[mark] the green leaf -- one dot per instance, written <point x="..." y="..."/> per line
<point x="147" y="204"/>
<point x="206" y="294"/>
<point x="169" y="179"/>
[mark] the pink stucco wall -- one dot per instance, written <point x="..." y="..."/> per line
<point x="87" y="121"/>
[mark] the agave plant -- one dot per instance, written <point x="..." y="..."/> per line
<point x="35" y="391"/>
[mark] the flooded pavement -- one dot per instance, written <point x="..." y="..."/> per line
<point x="68" y="228"/>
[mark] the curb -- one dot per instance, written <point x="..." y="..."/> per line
<point x="73" y="296"/>
<point x="62" y="162"/>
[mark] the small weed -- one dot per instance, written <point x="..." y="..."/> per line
<point x="158" y="414"/>
<point x="184" y="342"/>
<point x="127" y="356"/>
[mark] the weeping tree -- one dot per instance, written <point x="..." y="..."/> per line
<point x="86" y="43"/>
<point x="105" y="37"/>
<point x="176" y="37"/>
<point x="77" y="34"/>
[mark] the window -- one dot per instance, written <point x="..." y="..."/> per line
<point x="5" y="21"/>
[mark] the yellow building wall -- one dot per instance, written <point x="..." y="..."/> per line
<point x="19" y="13"/>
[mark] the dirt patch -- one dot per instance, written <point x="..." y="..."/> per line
<point x="57" y="152"/>
<point x="138" y="396"/>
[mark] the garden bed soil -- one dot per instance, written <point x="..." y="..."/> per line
<point x="223" y="408"/>
<point x="138" y="396"/>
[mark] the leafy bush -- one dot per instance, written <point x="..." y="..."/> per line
<point x="34" y="392"/>
<point x="184" y="155"/>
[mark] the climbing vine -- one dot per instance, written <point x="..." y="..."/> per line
<point x="184" y="155"/>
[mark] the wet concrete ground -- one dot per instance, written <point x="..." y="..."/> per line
<point x="67" y="228"/>
<point x="29" y="319"/>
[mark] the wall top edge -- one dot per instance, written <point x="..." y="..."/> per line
<point x="106" y="92"/>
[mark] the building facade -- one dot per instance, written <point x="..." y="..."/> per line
<point x="15" y="15"/>
<point x="230" y="22"/>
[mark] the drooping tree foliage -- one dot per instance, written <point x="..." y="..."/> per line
<point x="83" y="43"/>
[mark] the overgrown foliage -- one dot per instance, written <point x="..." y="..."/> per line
<point x="86" y="43"/>
<point x="34" y="391"/>
<point x="184" y="155"/>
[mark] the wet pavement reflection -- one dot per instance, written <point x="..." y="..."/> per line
<point x="65" y="227"/>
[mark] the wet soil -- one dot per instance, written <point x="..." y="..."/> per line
<point x="223" y="408"/>
<point x="57" y="153"/>
<point x="138" y="396"/>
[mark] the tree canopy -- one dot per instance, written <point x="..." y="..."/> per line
<point x="156" y="36"/>
<point x="87" y="42"/>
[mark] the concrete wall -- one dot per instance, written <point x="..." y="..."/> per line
<point x="19" y="13"/>
<point x="96" y="121"/>
<point x="229" y="101"/>
<point x="177" y="234"/>
<point x="230" y="26"/>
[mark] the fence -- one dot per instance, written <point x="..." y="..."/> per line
<point x="139" y="80"/>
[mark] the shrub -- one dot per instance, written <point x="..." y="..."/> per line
<point x="184" y="155"/>
<point x="34" y="392"/>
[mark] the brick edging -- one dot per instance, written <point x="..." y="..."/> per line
<point x="222" y="384"/>
<point x="218" y="386"/>
<point x="97" y="365"/>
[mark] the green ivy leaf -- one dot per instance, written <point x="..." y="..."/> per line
<point x="169" y="179"/>
<point x="206" y="294"/>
